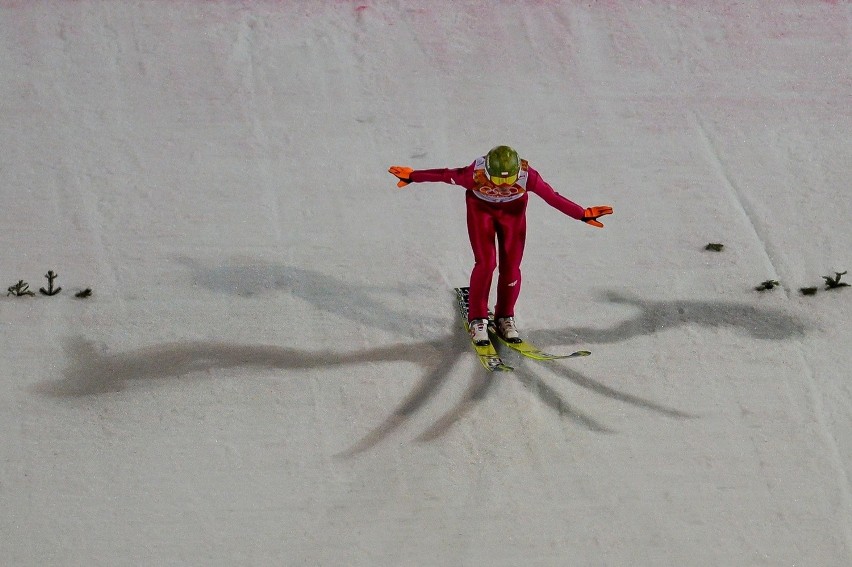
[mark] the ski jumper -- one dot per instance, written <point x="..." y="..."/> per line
<point x="497" y="213"/>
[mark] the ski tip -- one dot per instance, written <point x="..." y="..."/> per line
<point x="496" y="366"/>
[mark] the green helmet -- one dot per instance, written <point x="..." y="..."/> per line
<point x="502" y="162"/>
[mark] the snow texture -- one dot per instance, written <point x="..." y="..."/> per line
<point x="270" y="370"/>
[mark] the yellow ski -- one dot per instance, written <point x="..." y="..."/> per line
<point x="528" y="349"/>
<point x="487" y="354"/>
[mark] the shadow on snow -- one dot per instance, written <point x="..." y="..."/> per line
<point x="91" y="372"/>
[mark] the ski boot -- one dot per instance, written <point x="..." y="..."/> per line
<point x="479" y="332"/>
<point x="507" y="330"/>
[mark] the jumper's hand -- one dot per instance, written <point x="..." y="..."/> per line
<point x="401" y="173"/>
<point x="590" y="215"/>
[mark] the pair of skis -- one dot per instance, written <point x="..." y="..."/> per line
<point x="488" y="355"/>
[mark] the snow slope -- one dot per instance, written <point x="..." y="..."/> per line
<point x="270" y="370"/>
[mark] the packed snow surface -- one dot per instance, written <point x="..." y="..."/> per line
<point x="270" y="369"/>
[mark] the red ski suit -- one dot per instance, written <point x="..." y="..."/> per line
<point x="497" y="213"/>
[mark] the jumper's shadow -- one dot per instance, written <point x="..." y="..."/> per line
<point x="365" y="304"/>
<point x="93" y="372"/>
<point x="656" y="316"/>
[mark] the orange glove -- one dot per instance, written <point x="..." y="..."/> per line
<point x="590" y="215"/>
<point x="401" y="173"/>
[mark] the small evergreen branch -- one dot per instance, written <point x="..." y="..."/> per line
<point x="808" y="290"/>
<point x="50" y="277"/>
<point x="20" y="289"/>
<point x="715" y="247"/>
<point x="834" y="283"/>
<point x="767" y="285"/>
<point x="83" y="294"/>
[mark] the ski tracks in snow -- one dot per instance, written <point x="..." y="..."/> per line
<point x="739" y="201"/>
<point x="735" y="193"/>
